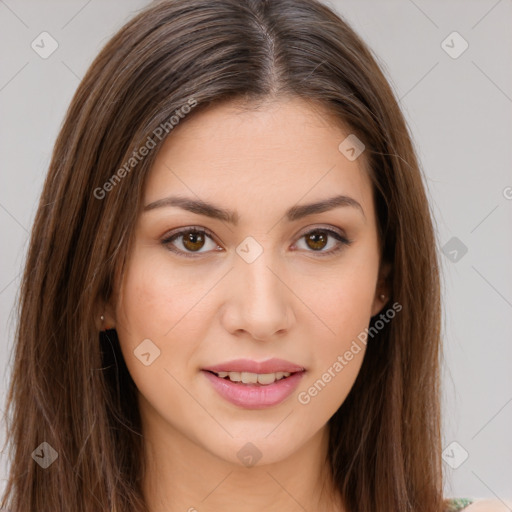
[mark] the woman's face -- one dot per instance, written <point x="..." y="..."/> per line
<point x="258" y="296"/>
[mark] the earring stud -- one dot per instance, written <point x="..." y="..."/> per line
<point x="382" y="297"/>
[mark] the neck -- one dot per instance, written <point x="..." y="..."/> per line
<point x="181" y="475"/>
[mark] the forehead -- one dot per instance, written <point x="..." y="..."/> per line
<point x="282" y="153"/>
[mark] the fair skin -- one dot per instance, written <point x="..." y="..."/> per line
<point x="489" y="506"/>
<point x="290" y="303"/>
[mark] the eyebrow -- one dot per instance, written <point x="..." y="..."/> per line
<point x="292" y="214"/>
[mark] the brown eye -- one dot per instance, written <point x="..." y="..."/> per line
<point x="192" y="241"/>
<point x="316" y="240"/>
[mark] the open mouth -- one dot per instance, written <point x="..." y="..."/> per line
<point x="258" y="379"/>
<point x="254" y="390"/>
<point x="255" y="384"/>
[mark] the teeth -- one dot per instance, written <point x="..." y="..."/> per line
<point x="253" y="378"/>
<point x="267" y="378"/>
<point x="249" y="378"/>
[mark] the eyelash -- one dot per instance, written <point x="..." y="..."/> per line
<point x="167" y="241"/>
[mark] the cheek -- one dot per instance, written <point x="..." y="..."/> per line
<point x="343" y="300"/>
<point x="156" y="299"/>
<point x="343" y="304"/>
<point x="160" y="306"/>
<point x="337" y="357"/>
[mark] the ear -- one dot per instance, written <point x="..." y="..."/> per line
<point x="109" y="321"/>
<point x="105" y="310"/>
<point x="382" y="288"/>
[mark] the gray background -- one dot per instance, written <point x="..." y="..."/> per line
<point x="459" y="112"/>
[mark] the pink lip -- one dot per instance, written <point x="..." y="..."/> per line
<point x="247" y="365"/>
<point x="254" y="396"/>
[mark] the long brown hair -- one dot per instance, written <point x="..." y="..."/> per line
<point x="70" y="387"/>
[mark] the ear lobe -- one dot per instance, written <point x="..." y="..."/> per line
<point x="105" y="318"/>
<point x="378" y="304"/>
<point x="109" y="319"/>
<point x="382" y="291"/>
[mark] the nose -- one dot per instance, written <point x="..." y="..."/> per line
<point x="259" y="300"/>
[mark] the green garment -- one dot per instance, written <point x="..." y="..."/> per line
<point x="456" y="504"/>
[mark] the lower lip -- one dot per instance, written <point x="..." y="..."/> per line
<point x="255" y="396"/>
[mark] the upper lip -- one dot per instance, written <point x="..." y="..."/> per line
<point x="247" y="365"/>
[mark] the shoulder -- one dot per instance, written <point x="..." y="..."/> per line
<point x="489" y="506"/>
